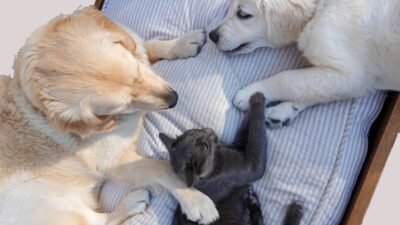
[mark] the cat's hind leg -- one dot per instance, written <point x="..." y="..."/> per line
<point x="254" y="208"/>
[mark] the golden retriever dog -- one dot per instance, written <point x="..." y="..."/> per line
<point x="71" y="117"/>
<point x="354" y="47"/>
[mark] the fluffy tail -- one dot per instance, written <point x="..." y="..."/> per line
<point x="294" y="214"/>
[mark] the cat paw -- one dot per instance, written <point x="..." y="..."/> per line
<point x="257" y="99"/>
<point x="242" y="99"/>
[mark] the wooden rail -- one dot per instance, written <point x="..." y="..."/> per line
<point x="382" y="139"/>
<point x="99" y="4"/>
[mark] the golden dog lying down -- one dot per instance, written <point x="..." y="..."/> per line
<point x="71" y="117"/>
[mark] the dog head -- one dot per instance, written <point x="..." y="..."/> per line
<point x="82" y="70"/>
<point x="192" y="154"/>
<point x="250" y="24"/>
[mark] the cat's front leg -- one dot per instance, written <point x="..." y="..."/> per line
<point x="255" y="154"/>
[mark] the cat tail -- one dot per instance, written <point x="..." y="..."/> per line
<point x="294" y="214"/>
<point x="254" y="208"/>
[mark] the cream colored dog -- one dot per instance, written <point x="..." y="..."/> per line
<point x="71" y="117"/>
<point x="354" y="47"/>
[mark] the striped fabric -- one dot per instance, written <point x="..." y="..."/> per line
<point x="316" y="160"/>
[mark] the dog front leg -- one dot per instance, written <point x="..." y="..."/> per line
<point x="185" y="46"/>
<point x="302" y="88"/>
<point x="143" y="173"/>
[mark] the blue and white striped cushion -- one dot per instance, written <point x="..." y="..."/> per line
<point x="315" y="160"/>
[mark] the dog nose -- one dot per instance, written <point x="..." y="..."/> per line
<point x="214" y="36"/>
<point x="172" y="99"/>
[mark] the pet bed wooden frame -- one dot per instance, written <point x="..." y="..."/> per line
<point x="382" y="138"/>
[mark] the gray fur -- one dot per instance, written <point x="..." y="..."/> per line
<point x="224" y="172"/>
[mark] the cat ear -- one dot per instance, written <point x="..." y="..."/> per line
<point x="189" y="176"/>
<point x="168" y="142"/>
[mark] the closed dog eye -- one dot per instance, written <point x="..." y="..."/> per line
<point x="243" y="15"/>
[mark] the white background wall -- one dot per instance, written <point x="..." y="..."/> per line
<point x="385" y="205"/>
<point x="18" y="18"/>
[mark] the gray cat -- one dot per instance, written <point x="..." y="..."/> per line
<point x="225" y="172"/>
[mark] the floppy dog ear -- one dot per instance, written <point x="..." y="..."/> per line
<point x="119" y="35"/>
<point x="86" y="127"/>
<point x="81" y="122"/>
<point x="72" y="108"/>
<point x="168" y="142"/>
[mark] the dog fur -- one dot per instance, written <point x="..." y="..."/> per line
<point x="71" y="118"/>
<point x="354" y="47"/>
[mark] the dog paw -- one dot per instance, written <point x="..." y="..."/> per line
<point x="189" y="44"/>
<point x="198" y="207"/>
<point x="135" y="202"/>
<point x="281" y="114"/>
<point x="242" y="99"/>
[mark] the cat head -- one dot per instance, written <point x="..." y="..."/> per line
<point x="192" y="154"/>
